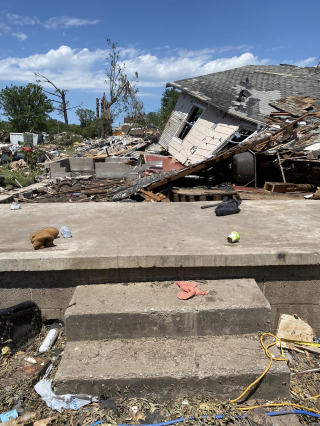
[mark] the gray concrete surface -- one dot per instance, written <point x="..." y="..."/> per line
<point x="120" y="242"/>
<point x="110" y="170"/>
<point x="166" y="368"/>
<point x="82" y="164"/>
<point x="163" y="235"/>
<point x="153" y="310"/>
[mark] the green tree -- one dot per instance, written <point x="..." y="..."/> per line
<point x="86" y="116"/>
<point x="168" y="102"/>
<point x="154" y="119"/>
<point x="54" y="126"/>
<point x="26" y="107"/>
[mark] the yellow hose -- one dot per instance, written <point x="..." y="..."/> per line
<point x="266" y="349"/>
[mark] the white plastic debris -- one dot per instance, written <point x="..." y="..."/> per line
<point x="15" y="206"/>
<point x="133" y="411"/>
<point x="64" y="231"/>
<point x="60" y="402"/>
<point x="49" y="340"/>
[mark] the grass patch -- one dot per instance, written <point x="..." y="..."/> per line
<point x="25" y="178"/>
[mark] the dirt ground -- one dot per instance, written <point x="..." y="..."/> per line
<point x="120" y="410"/>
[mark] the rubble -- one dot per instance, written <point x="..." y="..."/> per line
<point x="280" y="160"/>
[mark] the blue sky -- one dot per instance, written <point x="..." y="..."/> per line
<point x="162" y="40"/>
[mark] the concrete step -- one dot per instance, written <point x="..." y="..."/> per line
<point x="116" y="311"/>
<point x="168" y="368"/>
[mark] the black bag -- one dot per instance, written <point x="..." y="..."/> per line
<point x="228" y="207"/>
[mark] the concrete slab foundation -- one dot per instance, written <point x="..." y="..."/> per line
<point x="121" y="242"/>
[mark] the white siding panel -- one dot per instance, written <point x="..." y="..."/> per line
<point x="176" y="120"/>
<point x="207" y="134"/>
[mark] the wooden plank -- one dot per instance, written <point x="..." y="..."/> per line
<point x="287" y="106"/>
<point x="197" y="192"/>
<point x="287" y="187"/>
<point x="150" y="195"/>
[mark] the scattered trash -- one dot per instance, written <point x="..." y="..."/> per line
<point x="228" y="207"/>
<point x="60" y="402"/>
<point x="5" y="417"/>
<point x="5" y="351"/>
<point x="133" y="411"/>
<point x="18" y="165"/>
<point x="15" y="206"/>
<point x="20" y="322"/>
<point x="289" y="357"/>
<point x="189" y="290"/>
<point x="294" y="329"/>
<point x="64" y="231"/>
<point x="44" y="237"/>
<point x="29" y="366"/>
<point x="234" y="237"/>
<point x="50" y="338"/>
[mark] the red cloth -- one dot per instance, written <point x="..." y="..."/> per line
<point x="27" y="149"/>
<point x="189" y="290"/>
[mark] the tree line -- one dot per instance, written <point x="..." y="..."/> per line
<point x="27" y="108"/>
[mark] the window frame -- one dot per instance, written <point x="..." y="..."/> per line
<point x="185" y="121"/>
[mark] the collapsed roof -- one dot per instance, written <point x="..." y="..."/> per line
<point x="247" y="91"/>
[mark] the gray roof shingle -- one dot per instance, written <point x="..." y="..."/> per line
<point x="247" y="91"/>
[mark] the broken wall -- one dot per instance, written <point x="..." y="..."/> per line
<point x="205" y="137"/>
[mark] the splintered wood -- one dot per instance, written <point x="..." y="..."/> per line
<point x="294" y="105"/>
<point x="150" y="197"/>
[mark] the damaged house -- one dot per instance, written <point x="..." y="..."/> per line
<point x="221" y="110"/>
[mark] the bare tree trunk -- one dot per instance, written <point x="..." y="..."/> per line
<point x="64" y="109"/>
<point x="97" y="107"/>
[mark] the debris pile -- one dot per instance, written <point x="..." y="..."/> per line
<point x="280" y="160"/>
<point x="123" y="145"/>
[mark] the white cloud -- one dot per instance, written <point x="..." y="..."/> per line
<point x="5" y="28"/>
<point x="84" y="69"/>
<point x="51" y="23"/>
<point x="21" y="20"/>
<point x="66" y="22"/>
<point x="20" y="36"/>
<point x="309" y="62"/>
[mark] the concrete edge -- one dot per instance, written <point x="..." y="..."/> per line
<point x="51" y="261"/>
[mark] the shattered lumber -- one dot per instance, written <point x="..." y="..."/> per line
<point x="161" y="179"/>
<point x="224" y="155"/>
<point x="288" y="187"/>
<point x="151" y="197"/>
